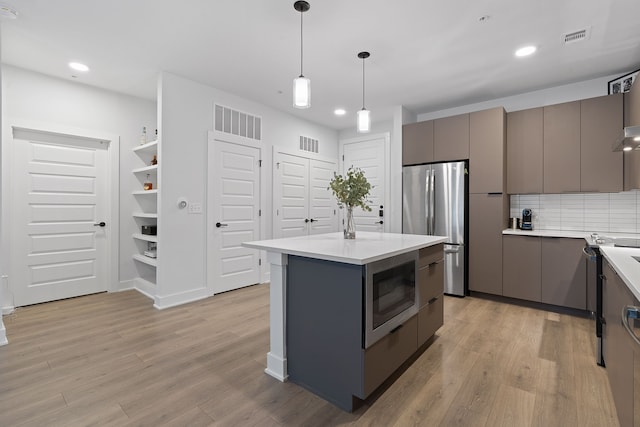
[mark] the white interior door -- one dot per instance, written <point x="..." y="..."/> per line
<point x="234" y="205"/>
<point x="369" y="155"/>
<point x="322" y="204"/>
<point x="60" y="193"/>
<point x="291" y="195"/>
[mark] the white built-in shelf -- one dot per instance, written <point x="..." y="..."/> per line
<point x="146" y="260"/>
<point x="144" y="192"/>
<point x="145" y="215"/>
<point x="148" y="147"/>
<point x="147" y="169"/>
<point x="145" y="237"/>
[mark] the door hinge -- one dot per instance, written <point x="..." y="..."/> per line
<point x="259" y="212"/>
<point x="277" y="212"/>
<point x="259" y="163"/>
<point x="259" y="261"/>
<point x="278" y="165"/>
<point x="343" y="157"/>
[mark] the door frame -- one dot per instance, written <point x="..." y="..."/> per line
<point x="112" y="216"/>
<point x="212" y="136"/>
<point x="387" y="178"/>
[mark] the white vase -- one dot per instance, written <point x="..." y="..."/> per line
<point x="349" y="224"/>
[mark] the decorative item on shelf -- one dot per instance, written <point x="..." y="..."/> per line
<point x="301" y="84"/>
<point x="152" y="250"/>
<point x="143" y="136"/>
<point x="351" y="191"/>
<point x="148" y="185"/>
<point x="149" y="230"/>
<point x="154" y="161"/>
<point x="364" y="115"/>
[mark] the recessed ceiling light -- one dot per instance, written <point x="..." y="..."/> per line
<point x="525" y="51"/>
<point x="78" y="66"/>
<point x="7" y="11"/>
<point x="339" y="112"/>
<point x="637" y="139"/>
<point x="627" y="148"/>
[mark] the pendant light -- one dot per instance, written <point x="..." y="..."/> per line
<point x="301" y="85"/>
<point x="364" y="115"/>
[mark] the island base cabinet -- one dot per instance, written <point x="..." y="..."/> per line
<point x="386" y="355"/>
<point x="430" y="319"/>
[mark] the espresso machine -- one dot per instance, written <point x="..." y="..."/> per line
<point x="526" y="223"/>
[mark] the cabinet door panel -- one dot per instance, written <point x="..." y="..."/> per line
<point x="524" y="151"/>
<point x="430" y="318"/>
<point x="431" y="281"/>
<point x="451" y="138"/>
<point x="600" y="124"/>
<point x="564" y="273"/>
<point x="487" y="151"/>
<point x="632" y="158"/>
<point x="417" y="143"/>
<point x="522" y="267"/>
<point x="562" y="148"/>
<point x="487" y="219"/>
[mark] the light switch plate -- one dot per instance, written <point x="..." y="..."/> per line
<point x="195" y="208"/>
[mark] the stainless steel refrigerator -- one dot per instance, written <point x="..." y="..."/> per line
<point x="433" y="203"/>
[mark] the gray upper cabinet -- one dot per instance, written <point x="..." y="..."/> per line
<point x="601" y="121"/>
<point x="561" y="152"/>
<point x="632" y="118"/>
<point x="417" y="143"/>
<point x="451" y="138"/>
<point x="487" y="151"/>
<point x="524" y="151"/>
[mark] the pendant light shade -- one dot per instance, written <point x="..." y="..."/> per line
<point x="301" y="84"/>
<point x="364" y="115"/>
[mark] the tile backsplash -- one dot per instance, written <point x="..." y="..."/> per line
<point x="601" y="212"/>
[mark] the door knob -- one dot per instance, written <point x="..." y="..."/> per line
<point x="379" y="222"/>
<point x="306" y="220"/>
<point x="100" y="224"/>
<point x="219" y="224"/>
<point x="313" y="220"/>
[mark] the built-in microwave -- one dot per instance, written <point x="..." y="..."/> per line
<point x="391" y="295"/>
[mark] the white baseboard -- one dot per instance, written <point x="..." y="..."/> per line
<point x="126" y="285"/>
<point x="3" y="334"/>
<point x="7" y="310"/>
<point x="167" y="301"/>
<point x="145" y="287"/>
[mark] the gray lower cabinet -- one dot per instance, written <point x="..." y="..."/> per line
<point x="564" y="273"/>
<point x="522" y="267"/>
<point x="431" y="288"/>
<point x="618" y="346"/>
<point x="487" y="219"/>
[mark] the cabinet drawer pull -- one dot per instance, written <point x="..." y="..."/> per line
<point x="396" y="329"/>
<point x="432" y="300"/>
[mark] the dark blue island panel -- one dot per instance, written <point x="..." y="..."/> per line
<point x="324" y="317"/>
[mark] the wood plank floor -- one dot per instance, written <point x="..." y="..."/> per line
<point x="112" y="359"/>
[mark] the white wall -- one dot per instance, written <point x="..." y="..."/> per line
<point x="185" y="111"/>
<point x="539" y="98"/>
<point x="36" y="98"/>
<point x="3" y="334"/>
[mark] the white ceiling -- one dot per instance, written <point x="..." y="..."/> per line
<point x="425" y="55"/>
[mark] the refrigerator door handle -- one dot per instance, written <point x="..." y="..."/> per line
<point x="432" y="191"/>
<point x="452" y="250"/>
<point x="427" y="204"/>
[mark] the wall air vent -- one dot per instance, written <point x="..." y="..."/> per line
<point x="308" y="144"/>
<point x="236" y="122"/>
<point x="576" y="36"/>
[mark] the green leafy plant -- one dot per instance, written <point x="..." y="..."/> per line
<point x="352" y="189"/>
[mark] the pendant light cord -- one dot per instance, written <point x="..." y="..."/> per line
<point x="301" y="44"/>
<point x="363" y="83"/>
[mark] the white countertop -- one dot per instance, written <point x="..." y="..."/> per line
<point x="627" y="268"/>
<point x="365" y="248"/>
<point x="566" y="233"/>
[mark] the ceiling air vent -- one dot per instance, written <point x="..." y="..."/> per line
<point x="236" y="122"/>
<point x="308" y="144"/>
<point x="576" y="36"/>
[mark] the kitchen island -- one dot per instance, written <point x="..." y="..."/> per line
<point x="316" y="296"/>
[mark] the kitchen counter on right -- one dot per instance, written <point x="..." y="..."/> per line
<point x="625" y="262"/>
